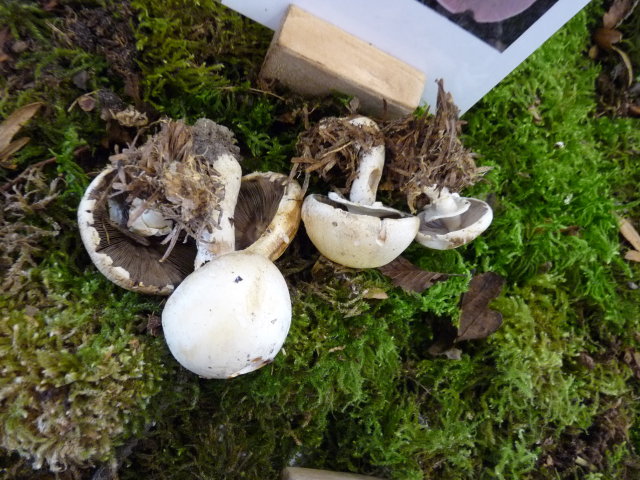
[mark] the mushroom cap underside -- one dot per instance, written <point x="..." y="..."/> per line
<point x="473" y="222"/>
<point x="130" y="261"/>
<point x="357" y="240"/>
<point x="267" y="215"/>
<point x="229" y="317"/>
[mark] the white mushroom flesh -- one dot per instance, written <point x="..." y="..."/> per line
<point x="148" y="223"/>
<point x="370" y="165"/>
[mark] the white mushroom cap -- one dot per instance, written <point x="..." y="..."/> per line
<point x="469" y="218"/>
<point x="361" y="237"/>
<point x="229" y="317"/>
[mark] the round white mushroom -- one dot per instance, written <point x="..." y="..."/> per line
<point x="229" y="317"/>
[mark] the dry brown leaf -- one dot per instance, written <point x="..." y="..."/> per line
<point x="9" y="150"/>
<point x="15" y="121"/>
<point x="375" y="294"/>
<point x="477" y="321"/>
<point x="619" y="10"/>
<point x="628" y="231"/>
<point x="632" y="255"/>
<point x="409" y="277"/>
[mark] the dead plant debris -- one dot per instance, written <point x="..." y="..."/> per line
<point x="618" y="88"/>
<point x="335" y="143"/>
<point x="477" y="320"/>
<point x="410" y="277"/>
<point x="173" y="173"/>
<point x="9" y="128"/>
<point x="426" y="150"/>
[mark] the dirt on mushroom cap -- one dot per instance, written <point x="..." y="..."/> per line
<point x="173" y="174"/>
<point x="336" y="142"/>
<point x="426" y="150"/>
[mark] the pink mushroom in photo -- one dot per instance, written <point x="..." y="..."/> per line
<point x="487" y="11"/>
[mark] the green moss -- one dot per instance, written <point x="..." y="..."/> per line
<point x="77" y="377"/>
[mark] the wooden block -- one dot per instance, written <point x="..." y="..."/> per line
<point x="295" y="473"/>
<point x="314" y="57"/>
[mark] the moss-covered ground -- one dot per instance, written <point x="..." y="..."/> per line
<point x="88" y="387"/>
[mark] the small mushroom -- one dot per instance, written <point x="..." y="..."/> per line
<point x="450" y="220"/>
<point x="267" y="215"/>
<point x="359" y="232"/>
<point x="229" y="317"/>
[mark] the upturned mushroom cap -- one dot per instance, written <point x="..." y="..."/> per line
<point x="130" y="261"/>
<point x="357" y="236"/>
<point x="229" y="317"/>
<point x="470" y="218"/>
<point x="267" y="215"/>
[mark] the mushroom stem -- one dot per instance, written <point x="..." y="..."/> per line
<point x="371" y="162"/>
<point x="222" y="240"/>
<point x="445" y="206"/>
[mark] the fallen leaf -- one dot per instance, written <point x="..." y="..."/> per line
<point x="409" y="277"/>
<point x="628" y="231"/>
<point x="9" y="150"/>
<point x="375" y="293"/>
<point x="632" y="255"/>
<point x="477" y="321"/>
<point x="618" y="12"/>
<point x="15" y="121"/>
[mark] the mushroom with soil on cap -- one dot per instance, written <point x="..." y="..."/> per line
<point x="128" y="225"/>
<point x="232" y="314"/>
<point x="450" y="220"/>
<point x="359" y="232"/>
<point x="429" y="164"/>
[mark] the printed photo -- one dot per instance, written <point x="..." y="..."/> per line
<point x="497" y="22"/>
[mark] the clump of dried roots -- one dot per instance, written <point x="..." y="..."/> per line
<point x="173" y="173"/>
<point x="426" y="150"/>
<point x="335" y="142"/>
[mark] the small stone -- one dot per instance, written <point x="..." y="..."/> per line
<point x="19" y="46"/>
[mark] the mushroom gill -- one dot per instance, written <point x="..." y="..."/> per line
<point x="257" y="205"/>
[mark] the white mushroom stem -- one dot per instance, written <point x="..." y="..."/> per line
<point x="222" y="240"/>
<point x="371" y="162"/>
<point x="446" y="206"/>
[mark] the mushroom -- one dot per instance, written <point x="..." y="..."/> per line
<point x="267" y="215"/>
<point x="229" y="317"/>
<point x="359" y="232"/>
<point x="129" y="259"/>
<point x="488" y="11"/>
<point x="450" y="220"/>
